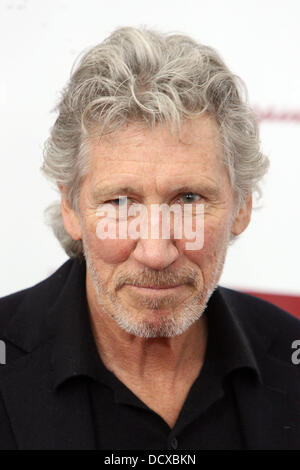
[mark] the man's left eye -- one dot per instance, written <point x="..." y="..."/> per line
<point x="190" y="197"/>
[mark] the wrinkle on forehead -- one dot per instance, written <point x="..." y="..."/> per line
<point x="203" y="129"/>
<point x="155" y="158"/>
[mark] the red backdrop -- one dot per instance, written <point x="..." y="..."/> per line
<point x="290" y="303"/>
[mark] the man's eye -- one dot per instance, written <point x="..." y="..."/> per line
<point x="119" y="201"/>
<point x="190" y="197"/>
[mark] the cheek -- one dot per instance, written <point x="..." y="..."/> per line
<point x="111" y="251"/>
<point x="215" y="241"/>
<point x="108" y="250"/>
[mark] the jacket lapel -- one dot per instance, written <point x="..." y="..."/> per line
<point x="270" y="417"/>
<point x="43" y="418"/>
<point x="266" y="415"/>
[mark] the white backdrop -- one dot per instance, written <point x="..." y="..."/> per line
<point x="39" y="41"/>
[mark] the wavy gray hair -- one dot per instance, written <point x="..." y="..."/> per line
<point x="138" y="74"/>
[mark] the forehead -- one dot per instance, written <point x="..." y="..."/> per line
<point x="140" y="152"/>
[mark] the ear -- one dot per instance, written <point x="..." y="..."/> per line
<point x="242" y="218"/>
<point x="70" y="217"/>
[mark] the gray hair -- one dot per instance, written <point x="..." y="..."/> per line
<point x="138" y="74"/>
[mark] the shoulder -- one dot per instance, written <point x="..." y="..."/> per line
<point x="31" y="300"/>
<point x="261" y="310"/>
<point x="264" y="320"/>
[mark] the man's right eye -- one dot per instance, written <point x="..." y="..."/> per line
<point x="120" y="201"/>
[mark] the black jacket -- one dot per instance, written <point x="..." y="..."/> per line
<point x="32" y="416"/>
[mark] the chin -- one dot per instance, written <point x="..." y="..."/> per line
<point x="154" y="330"/>
<point x="161" y="323"/>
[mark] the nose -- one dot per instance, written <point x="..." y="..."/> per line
<point x="155" y="247"/>
<point x="156" y="254"/>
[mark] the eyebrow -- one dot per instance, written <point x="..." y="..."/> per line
<point x="110" y="190"/>
<point x="119" y="190"/>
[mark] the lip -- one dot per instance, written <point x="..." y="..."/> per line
<point x="156" y="290"/>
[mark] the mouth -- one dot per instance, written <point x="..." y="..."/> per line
<point x="162" y="290"/>
<point x="165" y="286"/>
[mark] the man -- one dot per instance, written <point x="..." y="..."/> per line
<point x="131" y="344"/>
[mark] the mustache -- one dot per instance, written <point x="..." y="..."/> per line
<point x="157" y="278"/>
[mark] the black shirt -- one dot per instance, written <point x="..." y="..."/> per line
<point x="209" y="418"/>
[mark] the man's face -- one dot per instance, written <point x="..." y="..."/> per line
<point x="155" y="164"/>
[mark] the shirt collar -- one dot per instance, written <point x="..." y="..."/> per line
<point x="74" y="349"/>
